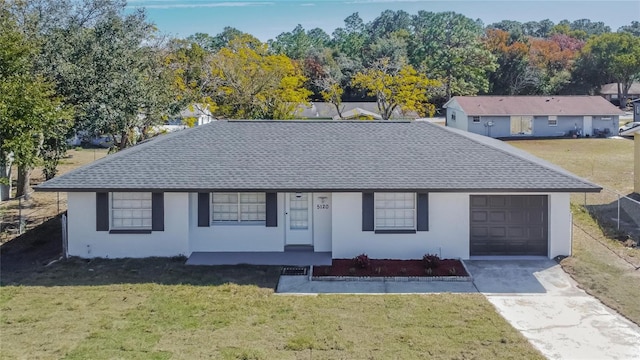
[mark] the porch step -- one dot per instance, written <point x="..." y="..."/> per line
<point x="295" y="270"/>
<point x="304" y="248"/>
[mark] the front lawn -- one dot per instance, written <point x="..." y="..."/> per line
<point x="137" y="309"/>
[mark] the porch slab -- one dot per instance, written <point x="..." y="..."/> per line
<point x="293" y="258"/>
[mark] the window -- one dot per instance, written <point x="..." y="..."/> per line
<point x="131" y="210"/>
<point x="605" y="118"/>
<point x="453" y="116"/>
<point x="238" y="207"/>
<point x="476" y="119"/>
<point x="521" y="125"/>
<point x="553" y="120"/>
<point x="395" y="211"/>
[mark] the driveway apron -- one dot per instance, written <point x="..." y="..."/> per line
<point x="562" y="321"/>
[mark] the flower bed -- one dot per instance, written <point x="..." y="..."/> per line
<point x="384" y="268"/>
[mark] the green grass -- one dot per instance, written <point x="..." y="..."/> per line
<point x="137" y="310"/>
<point x="601" y="265"/>
<point x="607" y="162"/>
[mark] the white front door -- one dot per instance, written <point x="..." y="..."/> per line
<point x="587" y="128"/>
<point x="299" y="230"/>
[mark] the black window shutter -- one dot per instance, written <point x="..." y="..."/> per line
<point x="367" y="212"/>
<point x="271" y="209"/>
<point x="157" y="211"/>
<point x="423" y="212"/>
<point x="203" y="210"/>
<point x="102" y="211"/>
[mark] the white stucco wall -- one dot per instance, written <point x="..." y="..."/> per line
<point x="559" y="225"/>
<point x="341" y="231"/>
<point x="84" y="241"/>
<point x="448" y="230"/>
<point x="235" y="237"/>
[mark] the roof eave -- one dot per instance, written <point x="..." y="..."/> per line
<point x="435" y="190"/>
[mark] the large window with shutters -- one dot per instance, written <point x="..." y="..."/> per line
<point x="238" y="208"/>
<point x="395" y="211"/>
<point x="131" y="210"/>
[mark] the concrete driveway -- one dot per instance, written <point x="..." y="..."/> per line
<point x="542" y="301"/>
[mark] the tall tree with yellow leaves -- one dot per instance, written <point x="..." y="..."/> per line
<point x="402" y="88"/>
<point x="250" y="83"/>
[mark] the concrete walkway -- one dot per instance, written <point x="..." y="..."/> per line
<point x="535" y="296"/>
<point x="562" y="321"/>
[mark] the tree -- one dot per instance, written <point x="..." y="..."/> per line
<point x="515" y="28"/>
<point x="351" y="39"/>
<point x="30" y="112"/>
<point x="298" y="44"/>
<point x="252" y="84"/>
<point x="112" y="74"/>
<point x="513" y="75"/>
<point x="448" y="47"/>
<point x="633" y="29"/>
<point x="403" y="88"/>
<point x="387" y="23"/>
<point x="538" y="29"/>
<point x="615" y="57"/>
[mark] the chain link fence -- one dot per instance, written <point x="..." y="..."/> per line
<point x="617" y="214"/>
<point x="23" y="213"/>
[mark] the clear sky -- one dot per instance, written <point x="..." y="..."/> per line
<point x="266" y="19"/>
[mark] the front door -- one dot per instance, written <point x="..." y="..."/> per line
<point x="587" y="126"/>
<point x="299" y="230"/>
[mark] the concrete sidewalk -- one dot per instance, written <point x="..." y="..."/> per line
<point x="535" y="296"/>
<point x="302" y="285"/>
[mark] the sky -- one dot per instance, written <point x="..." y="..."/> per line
<point x="266" y="19"/>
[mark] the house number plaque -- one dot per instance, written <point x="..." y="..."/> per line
<point x="322" y="205"/>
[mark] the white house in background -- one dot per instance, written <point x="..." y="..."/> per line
<point x="533" y="116"/>
<point x="199" y="112"/>
<point x="351" y="110"/>
<point x="391" y="189"/>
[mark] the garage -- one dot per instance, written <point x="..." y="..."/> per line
<point x="508" y="225"/>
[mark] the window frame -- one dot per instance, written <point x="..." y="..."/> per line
<point x="113" y="208"/>
<point x="239" y="204"/>
<point x="395" y="229"/>
<point x="518" y="122"/>
<point x="475" y="119"/>
<point x="552" y="120"/>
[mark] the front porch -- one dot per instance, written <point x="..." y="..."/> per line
<point x="293" y="258"/>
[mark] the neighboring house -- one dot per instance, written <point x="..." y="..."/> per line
<point x="636" y="110"/>
<point x="349" y="110"/>
<point x="610" y="92"/>
<point x="533" y="116"/>
<point x="391" y="189"/>
<point x="199" y="112"/>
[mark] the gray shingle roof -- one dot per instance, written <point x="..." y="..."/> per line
<point x="574" y="105"/>
<point x="320" y="155"/>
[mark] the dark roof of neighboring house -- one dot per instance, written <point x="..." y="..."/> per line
<point x="331" y="155"/>
<point x="535" y="105"/>
<point x="325" y="110"/>
<point x="612" y="89"/>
